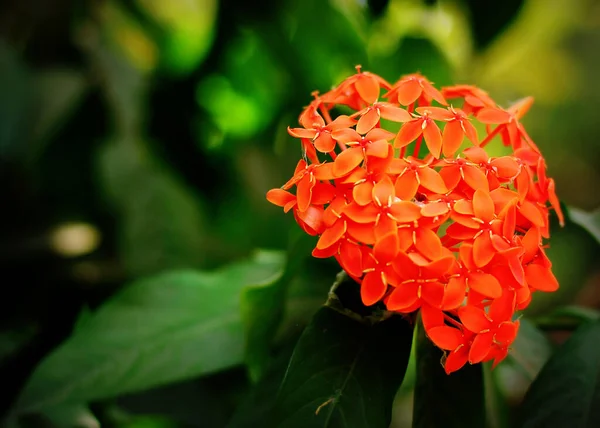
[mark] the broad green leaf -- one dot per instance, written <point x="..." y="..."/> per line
<point x="161" y="223"/>
<point x="157" y="330"/>
<point x="257" y="405"/>
<point x="497" y="411"/>
<point x="590" y="221"/>
<point x="72" y="416"/>
<point x="58" y="92"/>
<point x="566" y="392"/>
<point x="343" y="373"/>
<point x="528" y="354"/>
<point x="579" y="313"/>
<point x="441" y="400"/>
<point x="262" y="308"/>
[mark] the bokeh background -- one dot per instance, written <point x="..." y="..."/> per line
<point x="139" y="137"/>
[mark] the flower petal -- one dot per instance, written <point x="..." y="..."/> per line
<point x="481" y="347"/>
<point x="372" y="288"/>
<point x="452" y="137"/>
<point x="332" y="235"/>
<point x="362" y="193"/>
<point x="393" y="113"/>
<point x="540" y="278"/>
<point x="361" y="214"/>
<point x="363" y="233"/>
<point x="386" y="248"/>
<point x="434" y="209"/>
<point x="491" y="115"/>
<point x="346" y="135"/>
<point x="409" y="91"/>
<point x="304" y="191"/>
<point x="457" y="359"/>
<point x="454" y="294"/>
<point x="432" y="180"/>
<point x="367" y="121"/>
<point x="485" y="284"/>
<point x="379" y="149"/>
<point x="302" y="133"/>
<point x="408" y="133"/>
<point x="483" y="205"/>
<point x="483" y="250"/>
<point x="506" y="333"/>
<point x="383" y="191"/>
<point x="280" y="197"/>
<point x="432" y="293"/>
<point x="347" y="160"/>
<point x="404" y="296"/>
<point x="474" y="319"/>
<point x="428" y="243"/>
<point x="351" y="258"/>
<point x="406" y="186"/>
<point x="475" y="178"/>
<point x="324" y="142"/>
<point x="367" y="87"/>
<point x="532" y="213"/>
<point x="404" y="211"/>
<point x="445" y="337"/>
<point x="433" y="138"/>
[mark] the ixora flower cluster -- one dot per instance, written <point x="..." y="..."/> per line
<point x="439" y="227"/>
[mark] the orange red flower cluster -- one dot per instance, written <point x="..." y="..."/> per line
<point x="439" y="227"/>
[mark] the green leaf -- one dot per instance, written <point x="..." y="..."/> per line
<point x="157" y="330"/>
<point x="344" y="373"/>
<point x="258" y="403"/>
<point x="441" y="400"/>
<point x="59" y="92"/>
<point x="590" y="221"/>
<point x="72" y="416"/>
<point x="566" y="392"/>
<point x="161" y="223"/>
<point x="529" y="352"/>
<point x="262" y="308"/>
<point x="578" y="313"/>
<point x="497" y="411"/>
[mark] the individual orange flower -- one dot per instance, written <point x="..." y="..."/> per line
<point x="422" y="282"/>
<point x="412" y="87"/>
<point x="320" y="134"/>
<point x="412" y="174"/>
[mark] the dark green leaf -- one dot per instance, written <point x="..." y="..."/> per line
<point x="157" y="330"/>
<point x="590" y="221"/>
<point x="529" y="352"/>
<point x="58" y="92"/>
<point x="513" y="376"/>
<point x="161" y="222"/>
<point x="497" y="411"/>
<point x="71" y="416"/>
<point x="441" y="400"/>
<point x="258" y="404"/>
<point x="344" y="373"/>
<point x="566" y="392"/>
<point x="578" y="313"/>
<point x="262" y="308"/>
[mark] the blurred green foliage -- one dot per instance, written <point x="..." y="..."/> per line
<point x="138" y="139"/>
